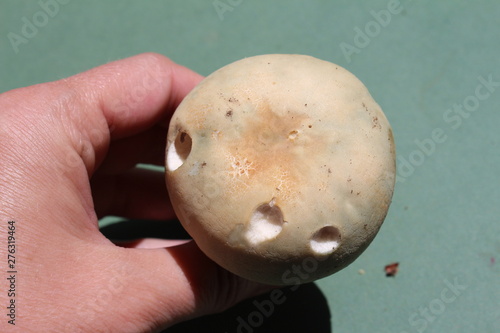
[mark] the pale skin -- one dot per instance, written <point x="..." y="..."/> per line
<point x="68" y="151"/>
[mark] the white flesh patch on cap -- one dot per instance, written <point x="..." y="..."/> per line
<point x="326" y="240"/>
<point x="178" y="151"/>
<point x="266" y="223"/>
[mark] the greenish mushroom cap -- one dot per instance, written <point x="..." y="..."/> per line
<point x="280" y="161"/>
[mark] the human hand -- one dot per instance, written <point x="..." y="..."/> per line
<point x="68" y="151"/>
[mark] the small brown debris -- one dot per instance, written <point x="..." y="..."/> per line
<point x="364" y="105"/>
<point x="392" y="269"/>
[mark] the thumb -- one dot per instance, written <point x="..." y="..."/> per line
<point x="161" y="287"/>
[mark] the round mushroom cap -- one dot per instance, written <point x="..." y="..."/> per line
<point x="281" y="167"/>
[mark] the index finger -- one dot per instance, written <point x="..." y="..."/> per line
<point x="136" y="92"/>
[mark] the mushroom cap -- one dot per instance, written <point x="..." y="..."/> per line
<point x="281" y="167"/>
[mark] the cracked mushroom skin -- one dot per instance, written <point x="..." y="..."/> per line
<point x="281" y="167"/>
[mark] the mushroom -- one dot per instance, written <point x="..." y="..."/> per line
<point x="280" y="167"/>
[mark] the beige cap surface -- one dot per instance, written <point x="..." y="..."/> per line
<point x="281" y="167"/>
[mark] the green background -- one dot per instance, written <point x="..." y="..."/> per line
<point x="419" y="63"/>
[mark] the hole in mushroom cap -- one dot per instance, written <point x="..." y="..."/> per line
<point x="178" y="151"/>
<point x="325" y="240"/>
<point x="266" y="223"/>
